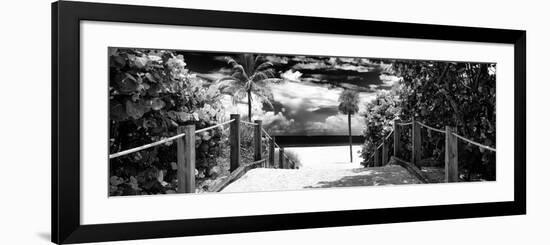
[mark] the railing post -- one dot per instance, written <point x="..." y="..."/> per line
<point x="451" y="156"/>
<point x="416" y="143"/>
<point x="186" y="159"/>
<point x="271" y="160"/>
<point x="396" y="137"/>
<point x="235" y="142"/>
<point x="377" y="157"/>
<point x="258" y="140"/>
<point x="282" y="158"/>
<point x="385" y="151"/>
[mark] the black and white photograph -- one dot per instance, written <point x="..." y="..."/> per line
<point x="187" y="121"/>
<point x="289" y="122"/>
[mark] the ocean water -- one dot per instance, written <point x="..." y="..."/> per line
<point x="324" y="157"/>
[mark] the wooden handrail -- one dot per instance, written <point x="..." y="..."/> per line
<point x="451" y="149"/>
<point x="185" y="144"/>
<point x="175" y="137"/>
<point x="475" y="143"/>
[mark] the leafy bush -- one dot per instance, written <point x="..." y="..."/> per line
<point x="150" y="95"/>
<point x="379" y="116"/>
<point x="460" y="95"/>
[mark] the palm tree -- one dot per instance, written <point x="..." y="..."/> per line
<point x="250" y="74"/>
<point x="349" y="101"/>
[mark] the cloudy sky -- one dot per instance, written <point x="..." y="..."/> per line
<point x="306" y="103"/>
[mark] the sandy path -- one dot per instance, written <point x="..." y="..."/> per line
<point x="262" y="179"/>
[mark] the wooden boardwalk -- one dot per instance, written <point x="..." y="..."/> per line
<point x="263" y="179"/>
<point x="264" y="174"/>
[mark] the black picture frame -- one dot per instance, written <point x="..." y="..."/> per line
<point x="66" y="18"/>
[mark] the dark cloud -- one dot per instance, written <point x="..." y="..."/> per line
<point x="327" y="110"/>
<point x="309" y="105"/>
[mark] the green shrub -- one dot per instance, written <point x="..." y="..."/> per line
<point x="150" y="95"/>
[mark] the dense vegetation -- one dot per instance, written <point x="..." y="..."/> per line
<point x="461" y="95"/>
<point x="379" y="116"/>
<point x="151" y="94"/>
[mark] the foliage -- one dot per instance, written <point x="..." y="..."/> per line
<point x="460" y="95"/>
<point x="379" y="115"/>
<point x="349" y="102"/>
<point x="150" y="95"/>
<point x="456" y="94"/>
<point x="250" y="75"/>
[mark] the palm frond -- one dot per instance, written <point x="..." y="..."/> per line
<point x="264" y="94"/>
<point x="227" y="81"/>
<point x="349" y="100"/>
<point x="237" y="74"/>
<point x="248" y="85"/>
<point x="239" y="95"/>
<point x="258" y="59"/>
<point x="230" y="61"/>
<point x="263" y="66"/>
<point x="265" y="82"/>
<point x="262" y="75"/>
<point x="247" y="60"/>
<point x="258" y="76"/>
<point x="238" y="69"/>
<point x="226" y="84"/>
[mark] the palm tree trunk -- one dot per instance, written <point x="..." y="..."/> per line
<point x="249" y="105"/>
<point x="349" y="132"/>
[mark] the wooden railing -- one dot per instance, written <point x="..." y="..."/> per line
<point x="185" y="144"/>
<point x="451" y="147"/>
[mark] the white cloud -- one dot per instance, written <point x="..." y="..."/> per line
<point x="292" y="76"/>
<point x="303" y="96"/>
<point x="297" y="98"/>
<point x="337" y="124"/>
<point x="267" y="117"/>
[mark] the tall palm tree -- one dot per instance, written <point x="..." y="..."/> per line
<point x="349" y="100"/>
<point x="250" y="75"/>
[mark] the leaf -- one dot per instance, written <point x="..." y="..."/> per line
<point x="206" y="136"/>
<point x="117" y="111"/>
<point x="150" y="77"/>
<point x="120" y="61"/>
<point x="115" y="180"/>
<point x="133" y="183"/>
<point x="157" y="104"/>
<point x="135" y="110"/>
<point x="113" y="52"/>
<point x="183" y="116"/>
<point x="126" y="83"/>
<point x="140" y="62"/>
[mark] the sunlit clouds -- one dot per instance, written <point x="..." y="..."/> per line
<point x="306" y="102"/>
<point x="304" y="108"/>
